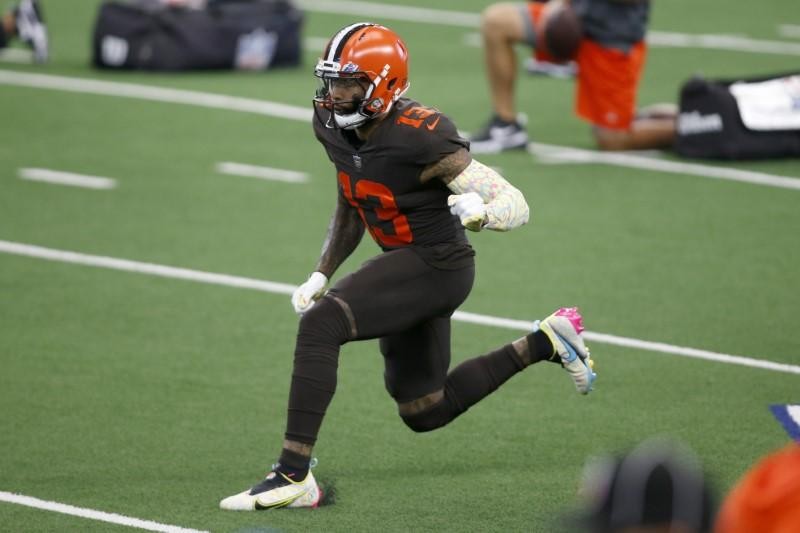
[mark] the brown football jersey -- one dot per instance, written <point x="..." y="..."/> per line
<point x="381" y="178"/>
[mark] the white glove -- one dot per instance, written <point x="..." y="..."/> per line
<point x="469" y="208"/>
<point x="309" y="292"/>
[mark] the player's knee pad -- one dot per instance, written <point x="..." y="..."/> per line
<point x="326" y="322"/>
<point x="432" y="418"/>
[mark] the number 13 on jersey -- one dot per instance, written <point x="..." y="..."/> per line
<point x="376" y="205"/>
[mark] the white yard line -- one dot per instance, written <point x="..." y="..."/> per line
<point x="548" y="153"/>
<point x="663" y="39"/>
<point x="627" y="342"/>
<point x="315" y="43"/>
<point x="273" y="109"/>
<point x="158" y="94"/>
<point x="264" y="173"/>
<point x="93" y="514"/>
<point x="66" y="178"/>
<point x="382" y="12"/>
<point x="721" y="42"/>
<point x="126" y="265"/>
<point x="789" y="30"/>
<point x="463" y="19"/>
<point x="139" y="267"/>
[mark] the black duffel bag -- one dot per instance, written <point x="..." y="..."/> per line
<point x="225" y="34"/>
<point x="754" y="118"/>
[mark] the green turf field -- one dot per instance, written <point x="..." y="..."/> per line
<point x="154" y="397"/>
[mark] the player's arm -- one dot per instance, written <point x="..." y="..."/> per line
<point x="482" y="198"/>
<point x="345" y="231"/>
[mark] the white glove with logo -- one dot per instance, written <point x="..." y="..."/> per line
<point x="469" y="208"/>
<point x="309" y="292"/>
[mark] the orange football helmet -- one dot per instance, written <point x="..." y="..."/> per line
<point x="368" y="52"/>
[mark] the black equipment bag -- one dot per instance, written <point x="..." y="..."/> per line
<point x="230" y="34"/>
<point x="740" y="119"/>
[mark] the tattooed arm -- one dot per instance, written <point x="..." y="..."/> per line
<point x="482" y="198"/>
<point x="344" y="233"/>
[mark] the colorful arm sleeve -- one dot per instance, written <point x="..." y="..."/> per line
<point x="506" y="207"/>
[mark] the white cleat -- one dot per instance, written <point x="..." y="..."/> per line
<point x="564" y="328"/>
<point x="276" y="491"/>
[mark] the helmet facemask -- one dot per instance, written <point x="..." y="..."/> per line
<point x="344" y="114"/>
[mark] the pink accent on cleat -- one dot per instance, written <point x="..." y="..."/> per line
<point x="319" y="498"/>
<point x="572" y="314"/>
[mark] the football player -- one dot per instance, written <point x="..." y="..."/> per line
<point x="605" y="39"/>
<point x="405" y="176"/>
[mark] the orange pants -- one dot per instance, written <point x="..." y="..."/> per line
<point x="607" y="79"/>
